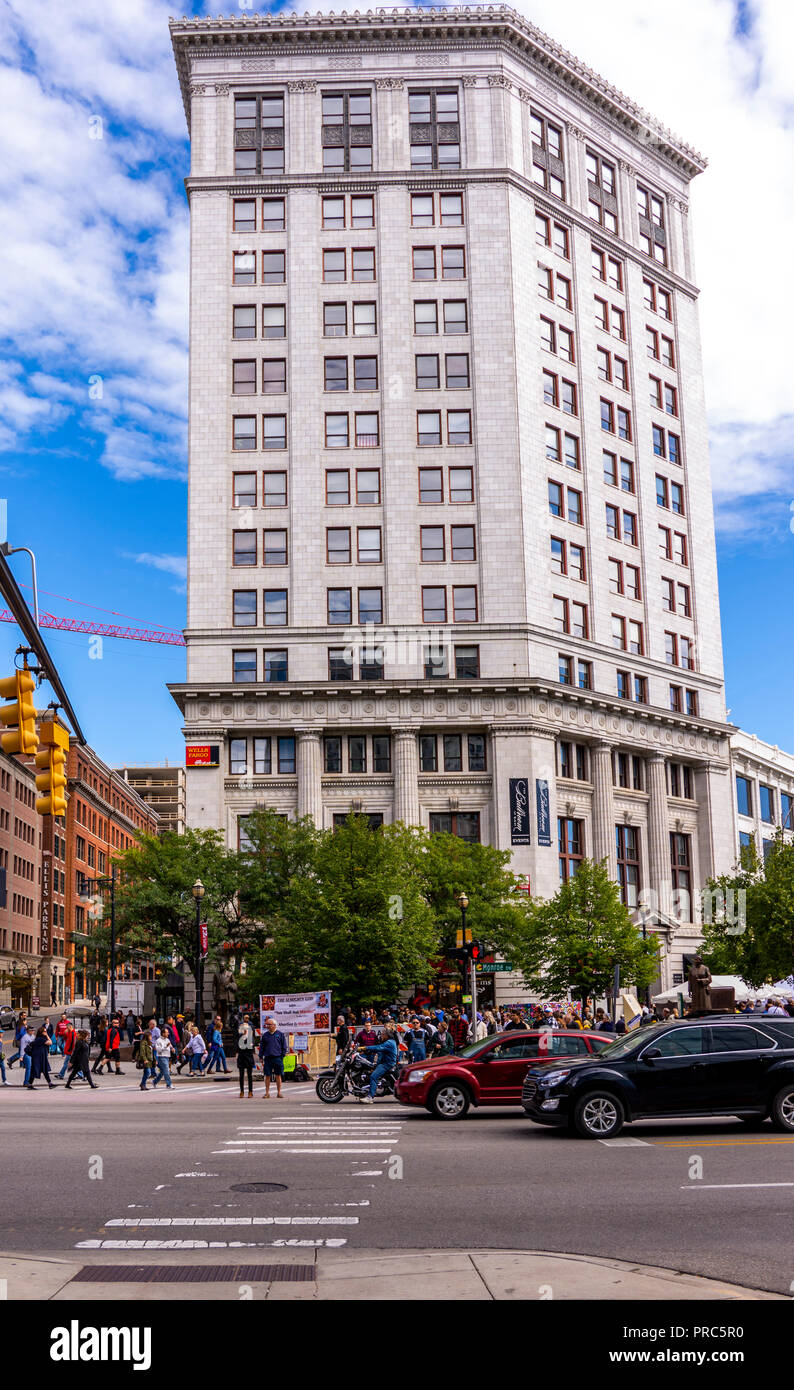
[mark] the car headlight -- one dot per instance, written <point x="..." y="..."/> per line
<point x="553" y="1078"/>
<point x="415" y="1076"/>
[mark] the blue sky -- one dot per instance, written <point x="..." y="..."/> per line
<point x="93" y="320"/>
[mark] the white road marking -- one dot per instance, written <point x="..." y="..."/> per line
<point x="299" y="1139"/>
<point x="138" y="1221"/>
<point x="315" y="1153"/>
<point x="626" y="1143"/>
<point x="205" y="1244"/>
<point x="368" y="1173"/>
<point x="699" y="1186"/>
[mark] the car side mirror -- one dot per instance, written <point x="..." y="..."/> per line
<point x="652" y="1054"/>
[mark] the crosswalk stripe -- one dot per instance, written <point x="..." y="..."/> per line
<point x="136" y="1222"/>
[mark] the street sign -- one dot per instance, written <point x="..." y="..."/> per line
<point x="495" y="967"/>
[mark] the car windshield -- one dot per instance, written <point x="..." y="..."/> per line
<point x="631" y="1042"/>
<point x="473" y="1049"/>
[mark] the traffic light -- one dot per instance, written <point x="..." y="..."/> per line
<point x="475" y="951"/>
<point x="51" y="758"/>
<point x="21" y="712"/>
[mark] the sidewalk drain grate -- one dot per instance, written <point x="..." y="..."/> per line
<point x="194" y="1274"/>
<point x="258" y="1187"/>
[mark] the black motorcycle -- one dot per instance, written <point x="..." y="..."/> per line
<point x="350" y="1076"/>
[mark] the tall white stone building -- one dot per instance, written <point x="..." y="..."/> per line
<point x="451" y="546"/>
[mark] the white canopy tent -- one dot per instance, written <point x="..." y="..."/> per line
<point x="742" y="991"/>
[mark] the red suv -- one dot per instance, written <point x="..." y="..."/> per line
<point x="490" y="1072"/>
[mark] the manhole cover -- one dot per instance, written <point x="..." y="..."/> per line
<point x="258" y="1187"/>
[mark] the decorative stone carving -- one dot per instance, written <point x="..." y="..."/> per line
<point x="221" y="89"/>
<point x="498" y="79"/>
<point x="432" y="60"/>
<point x="389" y="84"/>
<point x="303" y="84"/>
<point x="197" y="89"/>
<point x="524" y="95"/>
<point x="258" y="65"/>
<point x="469" y="81"/>
<point x="577" y="133"/>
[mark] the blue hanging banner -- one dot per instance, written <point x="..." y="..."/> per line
<point x="519" y="811"/>
<point x="542" y="804"/>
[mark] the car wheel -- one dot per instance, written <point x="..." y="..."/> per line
<point x="783" y="1109"/>
<point x="449" y="1101"/>
<point x="598" y="1115"/>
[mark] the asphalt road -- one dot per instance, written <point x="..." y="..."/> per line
<point x="703" y="1197"/>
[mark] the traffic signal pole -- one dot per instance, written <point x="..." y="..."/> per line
<point x="473" y="965"/>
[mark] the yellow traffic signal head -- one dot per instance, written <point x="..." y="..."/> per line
<point x="20" y="715"/>
<point x="52" y="780"/>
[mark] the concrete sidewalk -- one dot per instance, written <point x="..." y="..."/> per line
<point x="366" y="1276"/>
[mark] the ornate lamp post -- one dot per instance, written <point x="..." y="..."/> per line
<point x="198" y="890"/>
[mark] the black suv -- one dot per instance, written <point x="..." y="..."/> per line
<point x="715" y="1065"/>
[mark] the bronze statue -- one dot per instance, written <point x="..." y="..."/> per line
<point x="225" y="992"/>
<point x="700" y="985"/>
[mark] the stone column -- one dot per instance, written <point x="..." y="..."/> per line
<point x="406" y="776"/>
<point x="659" y="834"/>
<point x="202" y="129"/>
<point x="603" y="807"/>
<point x="309" y="769"/>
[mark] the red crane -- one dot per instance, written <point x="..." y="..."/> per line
<point x="134" y="634"/>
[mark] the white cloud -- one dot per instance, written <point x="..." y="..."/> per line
<point x="169" y="564"/>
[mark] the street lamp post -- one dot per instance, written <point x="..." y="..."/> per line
<point x="198" y="890"/>
<point x="463" y="903"/>
<point x="31" y="972"/>
<point x="110" y="883"/>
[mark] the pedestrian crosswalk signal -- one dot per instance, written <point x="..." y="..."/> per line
<point x="51" y="758"/>
<point x="20" y="713"/>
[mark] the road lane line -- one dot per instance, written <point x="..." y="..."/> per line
<point x="699" y="1186"/>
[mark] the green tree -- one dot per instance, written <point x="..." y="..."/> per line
<point x="279" y="853"/>
<point x="449" y="866"/>
<point x="355" y="921"/>
<point x="155" y="907"/>
<point x="756" y="940"/>
<point x="575" y="939"/>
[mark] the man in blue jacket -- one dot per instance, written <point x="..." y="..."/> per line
<point x="273" y="1050"/>
<point x="386" y="1051"/>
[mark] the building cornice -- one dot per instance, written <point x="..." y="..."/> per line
<point x="423" y="34"/>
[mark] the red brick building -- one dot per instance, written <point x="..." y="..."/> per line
<point x="105" y="816"/>
<point x="20" y="886"/>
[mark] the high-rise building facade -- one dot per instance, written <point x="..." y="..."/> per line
<point x="162" y="786"/>
<point x="451" y="545"/>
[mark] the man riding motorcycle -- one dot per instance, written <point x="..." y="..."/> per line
<point x="386" y="1052"/>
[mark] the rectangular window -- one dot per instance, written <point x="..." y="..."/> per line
<point x="238" y="757"/>
<point x="259" y="134"/>
<point x="274" y="489"/>
<point x="333" y="265"/>
<point x="365" y="373"/>
<point x="628" y="864"/>
<point x="431" y="544"/>
<point x="453" y="754"/>
<point x="286" y="755"/>
<point x="275" y="548"/>
<point x="744" y="800"/>
<point x="369" y="545"/>
<point x="243" y="547"/>
<point x="434" y="129"/>
<point x="347" y="132"/>
<point x="467" y="663"/>
<point x="243" y="267"/>
<point x="570" y="840"/>
<point x="427" y="371"/>
<point x="425" y="317"/>
<point x="337" y="544"/>
<point x="244" y="608"/>
<point x="434" y="604"/>
<point x="335" y="373"/>
<point x="370" y="606"/>
<point x="274" y="321"/>
<point x="273" y="267"/>
<point x="340" y="606"/>
<point x="274" y="376"/>
<point x="362" y="262"/>
<point x="333" y="213"/>
<point x="332" y="754"/>
<point x="334" y="320"/>
<point x="428" y="427"/>
<point x="381" y="753"/>
<point x="456" y="319"/>
<point x="357" y="753"/>
<point x="364" y="320"/>
<point x="244" y="432"/>
<point x="274" y="431"/>
<point x="461" y="485"/>
<point x="431" y="485"/>
<point x="244" y="215"/>
<point x="340" y="664"/>
<point x="337" y="432"/>
<point x="367" y="487"/>
<point x="453" y="263"/>
<point x="244" y="489"/>
<point x="273" y="215"/>
<point x="275" y="667"/>
<point x="428" y="753"/>
<point x="243" y="666"/>
<point x="244" y="321"/>
<point x="275" y="607"/>
<point x="457" y="371"/>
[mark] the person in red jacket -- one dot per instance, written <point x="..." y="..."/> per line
<point x="69" y="1037"/>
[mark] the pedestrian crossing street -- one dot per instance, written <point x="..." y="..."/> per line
<point x="353" y="1145"/>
